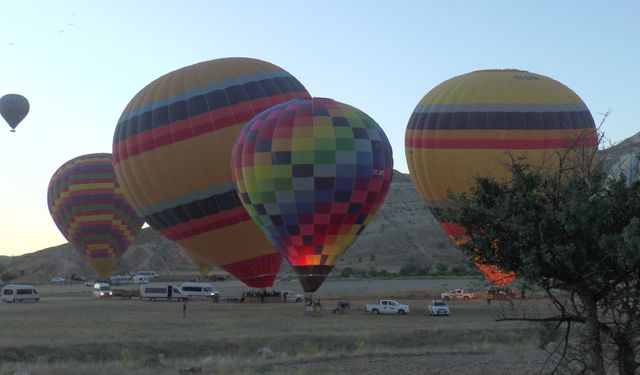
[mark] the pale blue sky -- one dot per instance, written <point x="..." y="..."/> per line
<point x="80" y="62"/>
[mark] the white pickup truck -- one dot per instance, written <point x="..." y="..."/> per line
<point x="387" y="306"/>
<point x="457" y="294"/>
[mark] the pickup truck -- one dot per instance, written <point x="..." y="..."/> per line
<point x="457" y="294"/>
<point x="387" y="306"/>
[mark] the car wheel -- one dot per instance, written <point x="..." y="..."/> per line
<point x="401" y="312"/>
<point x="298" y="299"/>
<point x="446" y="298"/>
<point x="466" y="298"/>
<point x="375" y="311"/>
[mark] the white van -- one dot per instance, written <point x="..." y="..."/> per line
<point x="141" y="279"/>
<point x="19" y="293"/>
<point x="200" y="290"/>
<point x="102" y="290"/>
<point x="156" y="291"/>
<point x="149" y="274"/>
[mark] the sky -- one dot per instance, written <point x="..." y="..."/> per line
<point x="80" y="62"/>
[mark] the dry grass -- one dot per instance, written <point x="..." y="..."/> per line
<point x="69" y="332"/>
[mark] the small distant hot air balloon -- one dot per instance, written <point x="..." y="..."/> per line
<point x="89" y="208"/>
<point x="474" y="124"/>
<point x="14" y="109"/>
<point x="172" y="152"/>
<point x="312" y="173"/>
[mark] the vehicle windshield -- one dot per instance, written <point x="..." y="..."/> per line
<point x="105" y="288"/>
<point x="439" y="303"/>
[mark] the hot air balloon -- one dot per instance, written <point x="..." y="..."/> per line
<point x="474" y="124"/>
<point x="172" y="153"/>
<point x="89" y="208"/>
<point x="14" y="109"/>
<point x="312" y="173"/>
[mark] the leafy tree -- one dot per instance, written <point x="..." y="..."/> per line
<point x="575" y="235"/>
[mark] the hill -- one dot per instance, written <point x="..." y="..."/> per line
<point x="403" y="232"/>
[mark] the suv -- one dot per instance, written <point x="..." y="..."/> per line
<point x="438" y="307"/>
<point x="291" y="296"/>
<point x="102" y="290"/>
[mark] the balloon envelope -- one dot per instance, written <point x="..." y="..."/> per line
<point x="89" y="208"/>
<point x="474" y="124"/>
<point x="14" y="108"/>
<point x="312" y="173"/>
<point x="172" y="152"/>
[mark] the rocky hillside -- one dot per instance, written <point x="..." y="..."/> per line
<point x="403" y="232"/>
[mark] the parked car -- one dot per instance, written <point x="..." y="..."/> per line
<point x="58" y="280"/>
<point x="291" y="296"/>
<point x="19" y="293"/>
<point x="102" y="290"/>
<point x="387" y="306"/>
<point x="89" y="282"/>
<point x="457" y="294"/>
<point x="438" y="307"/>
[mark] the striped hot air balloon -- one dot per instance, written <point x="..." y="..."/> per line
<point x="89" y="208"/>
<point x="172" y="152"/>
<point x="14" y="108"/>
<point x="474" y="124"/>
<point x="312" y="173"/>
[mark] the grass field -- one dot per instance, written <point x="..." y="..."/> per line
<point x="69" y="332"/>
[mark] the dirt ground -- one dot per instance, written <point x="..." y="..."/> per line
<point x="527" y="362"/>
<point x="70" y="332"/>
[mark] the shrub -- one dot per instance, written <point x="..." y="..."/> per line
<point x="346" y="272"/>
<point x="442" y="269"/>
<point x="6" y="277"/>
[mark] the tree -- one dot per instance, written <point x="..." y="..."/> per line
<point x="574" y="234"/>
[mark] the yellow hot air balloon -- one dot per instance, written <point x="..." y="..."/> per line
<point x="475" y="124"/>
<point x="172" y="156"/>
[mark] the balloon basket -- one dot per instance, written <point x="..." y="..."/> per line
<point x="13" y="130"/>
<point x="312" y="306"/>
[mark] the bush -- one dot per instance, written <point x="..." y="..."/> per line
<point x="6" y="277"/>
<point x="459" y="270"/>
<point x="346" y="272"/>
<point x="442" y="269"/>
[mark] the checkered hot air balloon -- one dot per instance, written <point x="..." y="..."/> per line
<point x="89" y="208"/>
<point x="474" y="124"/>
<point x="172" y="152"/>
<point x="312" y="173"/>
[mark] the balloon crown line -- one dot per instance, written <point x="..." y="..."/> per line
<point x="511" y="70"/>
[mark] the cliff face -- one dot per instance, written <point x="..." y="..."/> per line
<point x="403" y="231"/>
